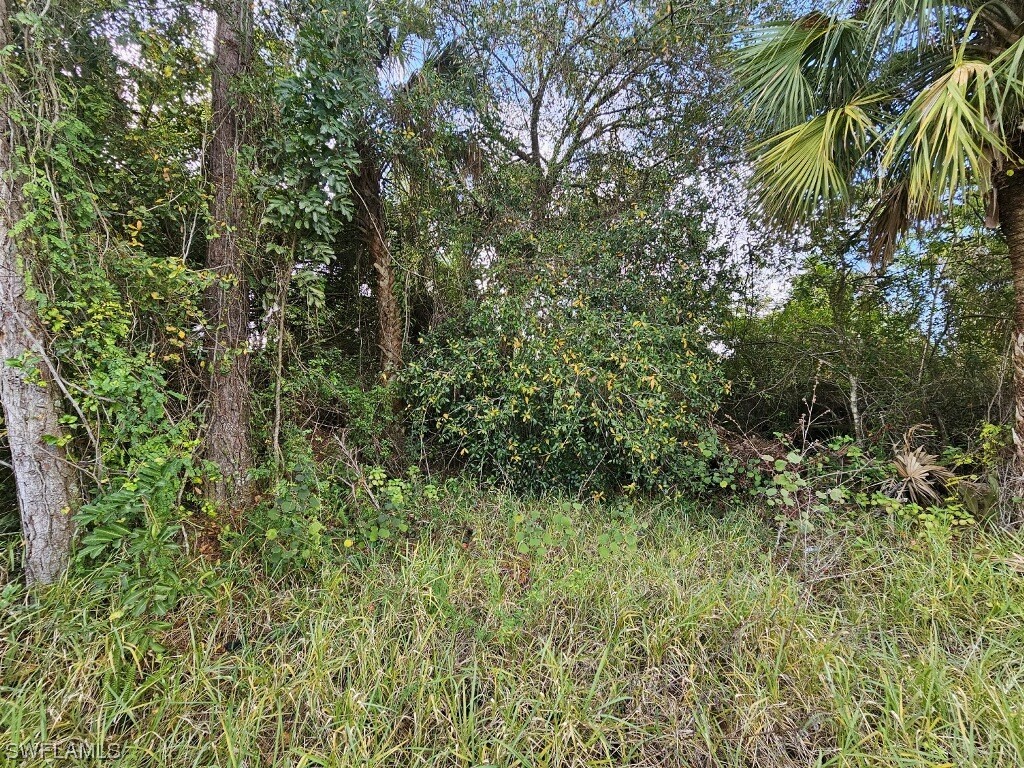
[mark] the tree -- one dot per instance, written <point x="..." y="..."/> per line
<point x="407" y="147"/>
<point x="46" y="482"/>
<point x="366" y="185"/>
<point x="227" y="301"/>
<point x="923" y="100"/>
<point x="568" y="80"/>
<point x="309" y="154"/>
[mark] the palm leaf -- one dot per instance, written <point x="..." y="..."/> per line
<point x="812" y="164"/>
<point x="838" y="58"/>
<point x="1008" y="68"/>
<point x="790" y="71"/>
<point x="914" y="24"/>
<point x="921" y="476"/>
<point x="945" y="140"/>
<point x="888" y="221"/>
<point x="775" y="88"/>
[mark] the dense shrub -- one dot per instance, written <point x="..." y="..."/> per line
<point x="325" y="394"/>
<point x="551" y="392"/>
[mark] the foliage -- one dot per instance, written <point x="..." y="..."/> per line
<point x="806" y="487"/>
<point x="922" y="478"/>
<point x="913" y="106"/>
<point x="316" y="98"/>
<point x="621" y="537"/>
<point x="537" y="531"/>
<point x="385" y="505"/>
<point x="546" y="200"/>
<point x="119" y="305"/>
<point x="130" y="546"/>
<point x="596" y="330"/>
<point x="328" y="505"/>
<point x="324" y="394"/>
<point x="793" y="642"/>
<point x="921" y="340"/>
<point x="928" y="112"/>
<point x="553" y="392"/>
<point x="301" y="166"/>
<point x="569" y="82"/>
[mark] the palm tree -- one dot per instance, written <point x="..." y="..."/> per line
<point x="413" y="106"/>
<point x="921" y="101"/>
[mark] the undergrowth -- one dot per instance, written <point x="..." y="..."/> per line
<point x="496" y="636"/>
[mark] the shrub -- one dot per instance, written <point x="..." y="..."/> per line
<point x="550" y="392"/>
<point x="323" y="507"/>
<point x="326" y="394"/>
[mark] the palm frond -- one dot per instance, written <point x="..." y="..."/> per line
<point x="812" y="164"/>
<point x="922" y="478"/>
<point x="945" y="139"/>
<point x="775" y="88"/>
<point x="1009" y="72"/>
<point x="789" y="71"/>
<point x="914" y="24"/>
<point x="888" y="220"/>
<point x="838" y="57"/>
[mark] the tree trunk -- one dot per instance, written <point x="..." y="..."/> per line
<point x="46" y="483"/>
<point x="227" y="302"/>
<point x="855" y="415"/>
<point x="370" y="220"/>
<point x="1011" y="213"/>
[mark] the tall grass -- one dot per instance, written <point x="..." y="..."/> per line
<point x="710" y="645"/>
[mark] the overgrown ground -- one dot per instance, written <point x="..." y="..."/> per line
<point x="714" y="643"/>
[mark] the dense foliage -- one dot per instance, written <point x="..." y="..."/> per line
<point x="611" y="376"/>
<point x="586" y="365"/>
<point x="552" y="231"/>
<point x="550" y="392"/>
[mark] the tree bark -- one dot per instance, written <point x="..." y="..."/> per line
<point x="47" y="484"/>
<point x="227" y="302"/>
<point x="370" y="220"/>
<point x="855" y="415"/>
<point x="1011" y="214"/>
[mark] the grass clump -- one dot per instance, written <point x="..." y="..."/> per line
<point x="702" y="644"/>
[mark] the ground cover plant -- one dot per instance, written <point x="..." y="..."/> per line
<point x="700" y="639"/>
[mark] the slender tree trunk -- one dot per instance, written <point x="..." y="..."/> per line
<point x="370" y="219"/>
<point x="46" y="483"/>
<point x="284" y="276"/>
<point x="855" y="415"/>
<point x="1011" y="213"/>
<point x="227" y="302"/>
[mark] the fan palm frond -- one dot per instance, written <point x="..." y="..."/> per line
<point x="914" y="24"/>
<point x="888" y="221"/>
<point x="946" y="136"/>
<point x="790" y="70"/>
<point x="813" y="163"/>
<point x="922" y="478"/>
<point x="948" y="90"/>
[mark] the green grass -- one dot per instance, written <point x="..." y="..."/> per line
<point x="709" y="645"/>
